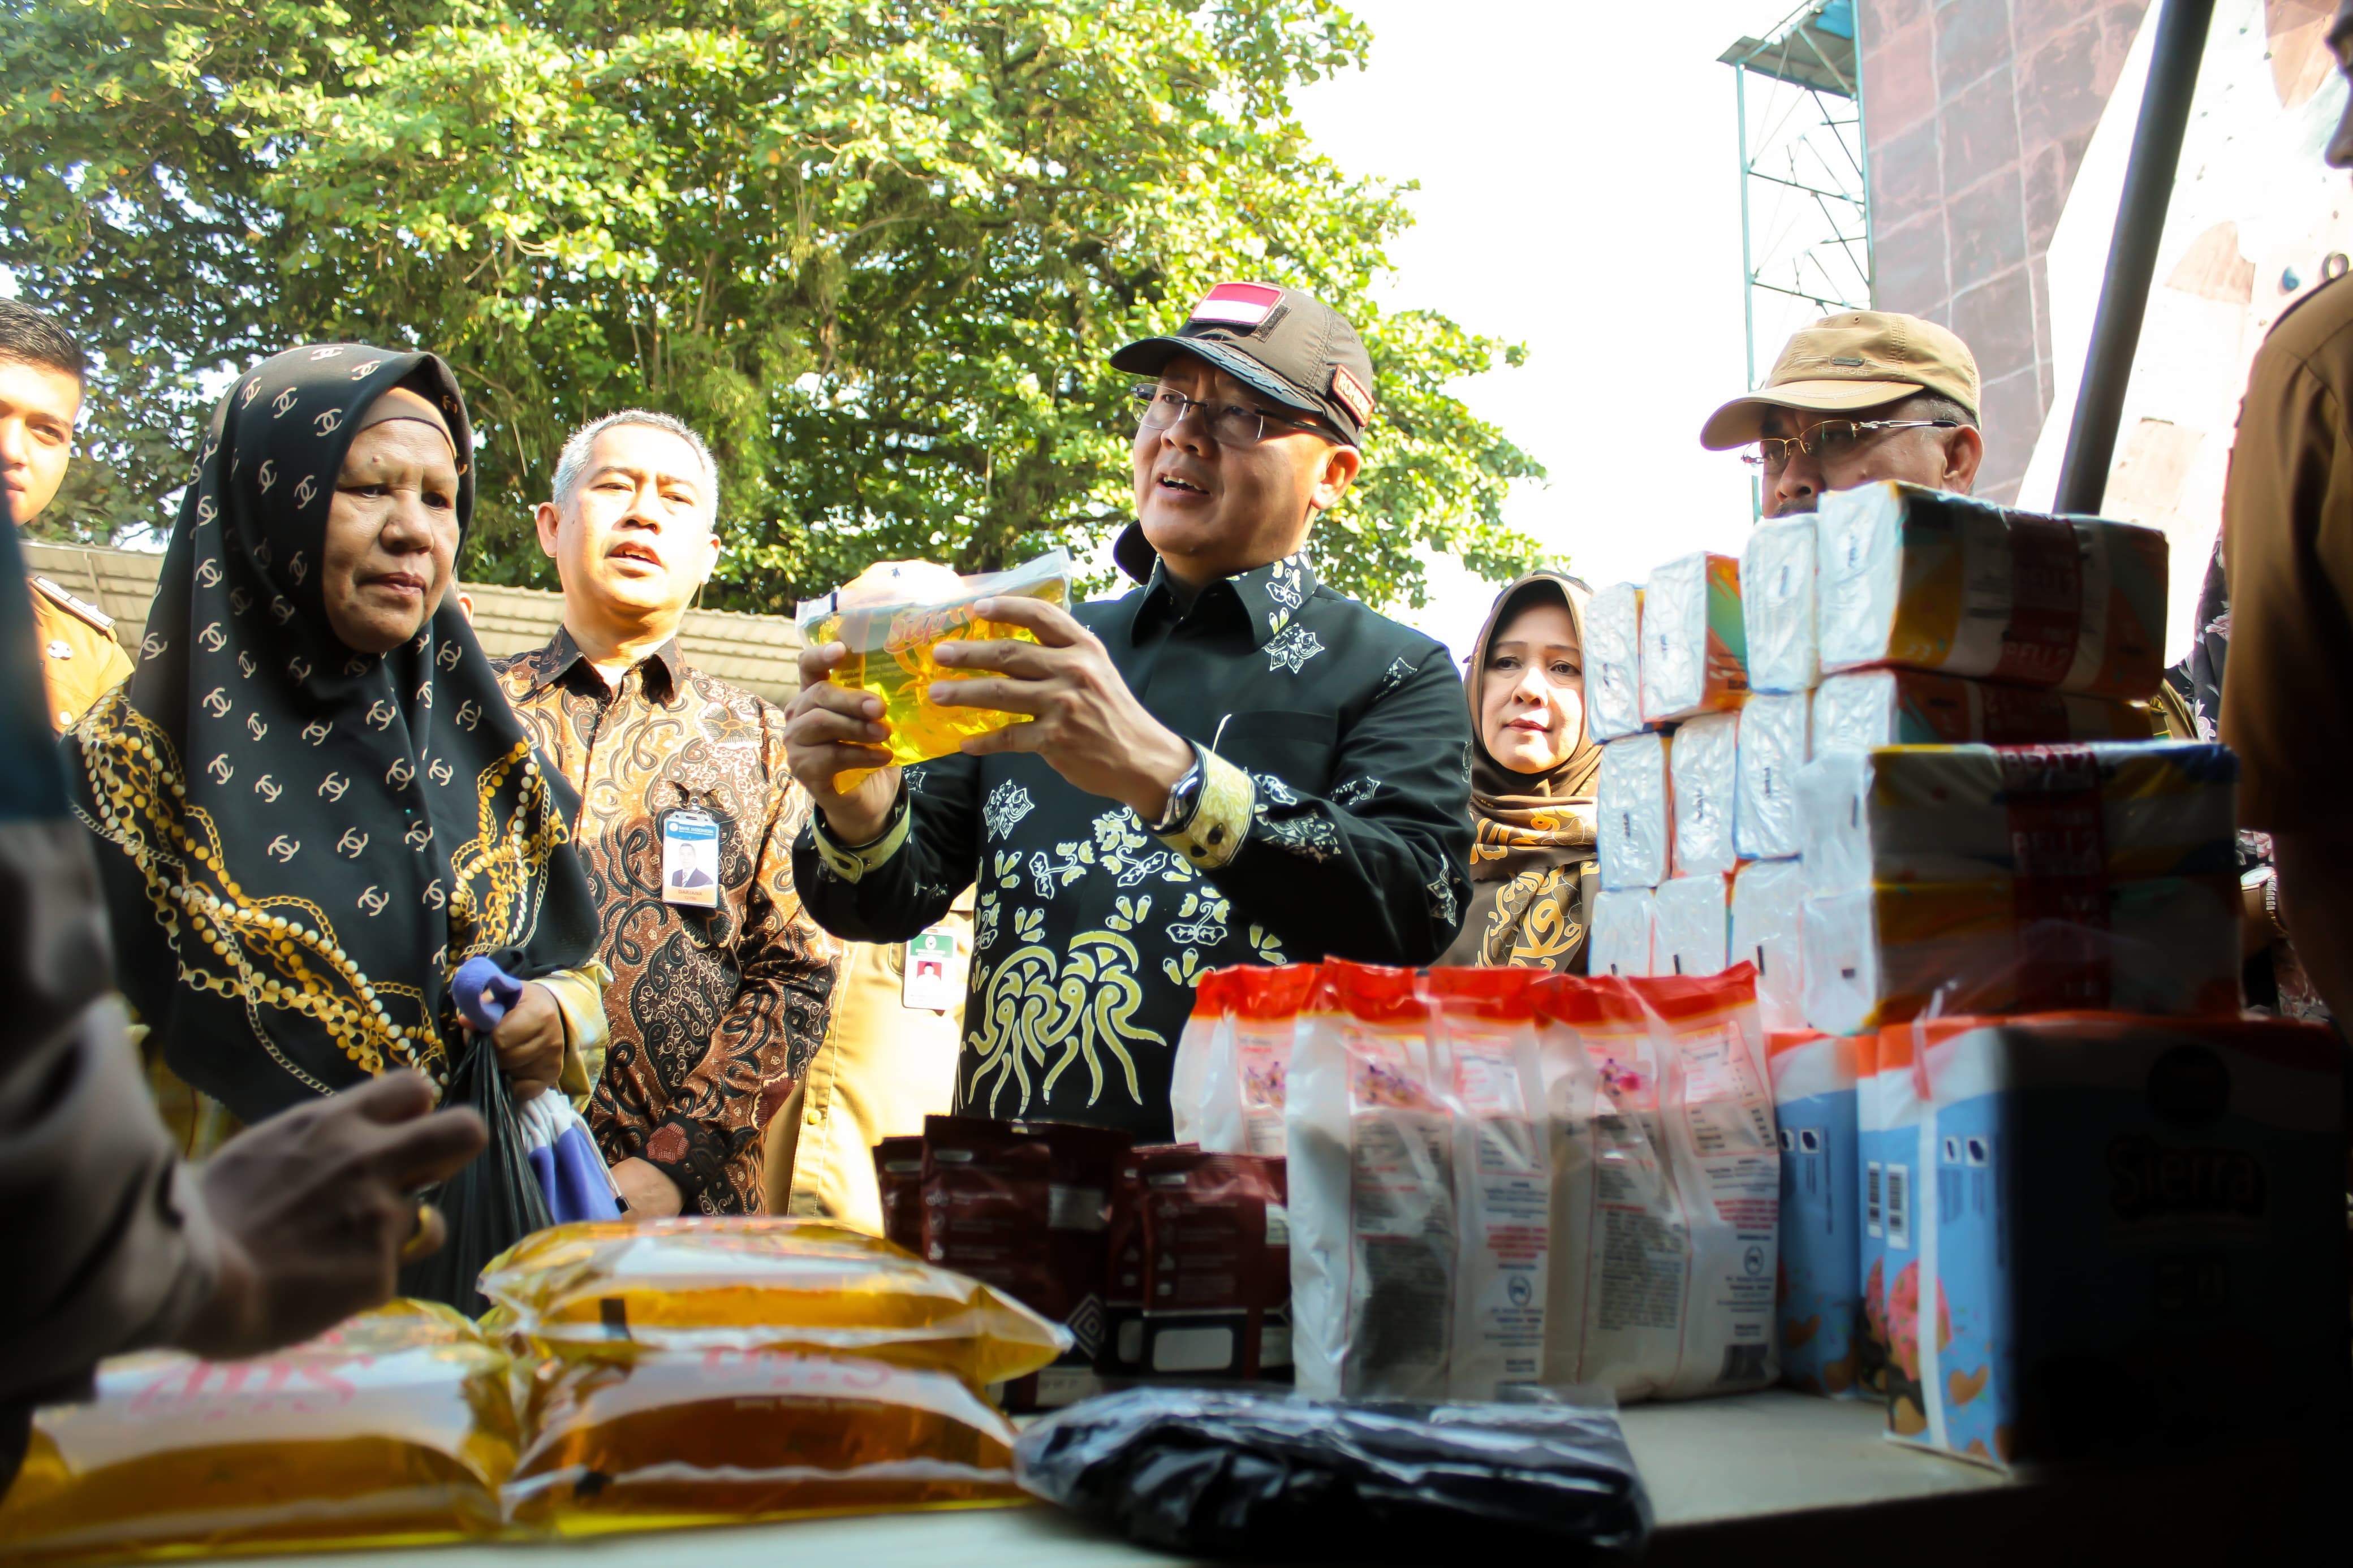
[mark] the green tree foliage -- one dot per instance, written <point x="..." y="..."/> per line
<point x="876" y="249"/>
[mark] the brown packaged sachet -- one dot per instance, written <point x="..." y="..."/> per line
<point x="1121" y="1353"/>
<point x="611" y="1290"/>
<point x="393" y="1428"/>
<point x="730" y="1435"/>
<point x="1020" y="1206"/>
<point x="1215" y="1237"/>
<point x="899" y="1178"/>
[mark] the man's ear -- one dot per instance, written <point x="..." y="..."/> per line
<point x="549" y="520"/>
<point x="1341" y="466"/>
<point x="1964" y="450"/>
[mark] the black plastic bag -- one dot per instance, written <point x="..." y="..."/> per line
<point x="1234" y="1473"/>
<point x="491" y="1204"/>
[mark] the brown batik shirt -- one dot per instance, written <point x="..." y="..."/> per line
<point x="713" y="1012"/>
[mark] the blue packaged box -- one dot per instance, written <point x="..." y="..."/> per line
<point x="2130" y="1237"/>
<point x="1819" y="1298"/>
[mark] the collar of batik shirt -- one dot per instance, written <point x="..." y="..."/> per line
<point x="1267" y="597"/>
<point x="664" y="669"/>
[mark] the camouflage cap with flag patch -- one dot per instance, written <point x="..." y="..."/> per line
<point x="1287" y="344"/>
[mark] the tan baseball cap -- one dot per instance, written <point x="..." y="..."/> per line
<point x="1840" y="364"/>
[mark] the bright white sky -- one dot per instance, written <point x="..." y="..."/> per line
<point x="1580" y="195"/>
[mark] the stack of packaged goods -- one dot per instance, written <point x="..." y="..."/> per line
<point x="1669" y="765"/>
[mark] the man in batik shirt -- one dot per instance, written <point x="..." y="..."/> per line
<point x="1232" y="765"/>
<point x="720" y="982"/>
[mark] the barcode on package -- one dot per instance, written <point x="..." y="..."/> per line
<point x="1899" y="1209"/>
<point x="1743" y="1364"/>
<point x="1870" y="1221"/>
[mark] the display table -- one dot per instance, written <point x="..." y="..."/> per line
<point x="1777" y="1472"/>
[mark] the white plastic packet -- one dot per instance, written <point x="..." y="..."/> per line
<point x="1371" y="1176"/>
<point x="1483" y="1040"/>
<point x="1777" y="603"/>
<point x="1867" y="708"/>
<point x="1691" y="925"/>
<point x="1619" y="941"/>
<point x="1769" y="903"/>
<point x="1718" y="1114"/>
<point x="1634" y="807"/>
<point x="1206" y="1040"/>
<point x="1613" y="661"/>
<point x="1705" y="772"/>
<point x="1774" y="741"/>
<point x="1247" y="1108"/>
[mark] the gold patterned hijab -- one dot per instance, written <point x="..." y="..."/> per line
<point x="1533" y="833"/>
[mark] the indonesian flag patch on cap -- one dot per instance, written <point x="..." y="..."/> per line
<point x="1237" y="304"/>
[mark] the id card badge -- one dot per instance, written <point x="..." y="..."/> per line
<point x="929" y="979"/>
<point x="691" y="860"/>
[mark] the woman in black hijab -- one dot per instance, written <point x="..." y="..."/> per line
<point x="1534" y="764"/>
<point x="313" y="799"/>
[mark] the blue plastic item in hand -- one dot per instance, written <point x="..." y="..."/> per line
<point x="564" y="1156"/>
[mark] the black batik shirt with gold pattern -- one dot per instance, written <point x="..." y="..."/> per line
<point x="1334" y="820"/>
<point x="713" y="1012"/>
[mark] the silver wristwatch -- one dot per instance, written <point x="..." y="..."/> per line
<point x="1183" y="798"/>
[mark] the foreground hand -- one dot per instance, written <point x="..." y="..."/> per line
<point x="1086" y="722"/>
<point x="530" y="1042"/>
<point x="830" y="729"/>
<point x="649" y="1193"/>
<point x="311" y="1210"/>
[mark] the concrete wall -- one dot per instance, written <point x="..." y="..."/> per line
<point x="1977" y="112"/>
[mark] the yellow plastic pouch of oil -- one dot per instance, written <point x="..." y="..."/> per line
<point x="602" y="1290"/>
<point x="722" y="1435"/>
<point x="894" y="619"/>
<point x="395" y="1428"/>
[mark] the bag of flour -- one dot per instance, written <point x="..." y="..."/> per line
<point x="1372" y="1191"/>
<point x="1208" y="1037"/>
<point x="1483" y="1044"/>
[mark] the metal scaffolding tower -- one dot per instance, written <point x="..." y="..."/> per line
<point x="1805" y="192"/>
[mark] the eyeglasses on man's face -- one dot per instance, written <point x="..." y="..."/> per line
<point x="1230" y="424"/>
<point x="1831" y="440"/>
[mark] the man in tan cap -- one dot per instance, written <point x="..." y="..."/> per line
<point x="1856" y="398"/>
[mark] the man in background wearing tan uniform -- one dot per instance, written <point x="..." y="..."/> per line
<point x="889" y="1060"/>
<point x="1856" y="398"/>
<point x="41" y="371"/>
<point x="2287" y="542"/>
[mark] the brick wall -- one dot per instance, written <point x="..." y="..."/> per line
<point x="1977" y="112"/>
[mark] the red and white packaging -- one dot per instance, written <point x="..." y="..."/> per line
<point x="1023" y="1206"/>
<point x="1668" y="1186"/>
<point x="1372" y="1191"/>
<point x="1483" y="1040"/>
<point x="1246" y="1099"/>
<point x="1215" y="1238"/>
<point x="1718" y="1117"/>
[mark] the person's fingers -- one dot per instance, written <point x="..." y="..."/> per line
<point x="1005" y="656"/>
<point x="388" y="1099"/>
<point x="986" y="691"/>
<point x="816" y="766"/>
<point x="431" y="1151"/>
<point x="1055" y="627"/>
<point x="1012" y="738"/>
<point x="822" y="725"/>
<point x="825" y="696"/>
<point x="818" y="662"/>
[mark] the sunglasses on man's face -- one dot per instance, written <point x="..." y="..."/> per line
<point x="1831" y="440"/>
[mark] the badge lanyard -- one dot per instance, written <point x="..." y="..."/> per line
<point x="690" y="875"/>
